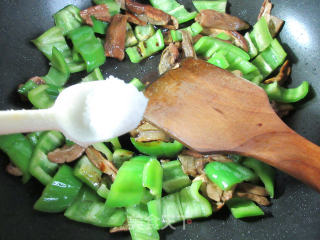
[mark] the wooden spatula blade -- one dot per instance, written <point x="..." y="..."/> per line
<point x="208" y="108"/>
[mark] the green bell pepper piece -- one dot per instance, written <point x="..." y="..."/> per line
<point x="174" y="179"/>
<point x="176" y="207"/>
<point x="19" y="150"/>
<point x="227" y="174"/>
<point x="120" y="156"/>
<point x="142" y="33"/>
<point x="265" y="172"/>
<point x="27" y="87"/>
<point x="219" y="6"/>
<point x="113" y="6"/>
<point x="138" y="84"/>
<point x="242" y="208"/>
<point x="99" y="26"/>
<point x="280" y="94"/>
<point x="139" y="223"/>
<point x="158" y="148"/>
<point x="207" y="46"/>
<point x="101" y="147"/>
<point x="43" y="96"/>
<point x="260" y="35"/>
<point x="218" y="59"/>
<point x="146" y="48"/>
<point x="152" y="177"/>
<point x="86" y="172"/>
<point x="40" y="167"/>
<point x="34" y="138"/>
<point x="131" y="39"/>
<point x="223" y="36"/>
<point x="127" y="189"/>
<point x="253" y="51"/>
<point x="115" y="143"/>
<point x="194" y="30"/>
<point x="93" y="76"/>
<point x="89" y="208"/>
<point x="59" y="72"/>
<point x="88" y="46"/>
<point x="60" y="191"/>
<point x="103" y="190"/>
<point x="175" y="9"/>
<point x="68" y="18"/>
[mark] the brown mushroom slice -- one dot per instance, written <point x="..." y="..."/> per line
<point x="187" y="46"/>
<point x="148" y="136"/>
<point x="282" y="109"/>
<point x="192" y="153"/>
<point x="256" y="198"/>
<point x="123" y="228"/>
<point x="148" y="13"/>
<point x="213" y="19"/>
<point x="38" y="80"/>
<point x="237" y="38"/>
<point x="66" y="154"/>
<point x="101" y="163"/>
<point x="188" y="165"/>
<point x="13" y="170"/>
<point x="135" y="20"/>
<point x="169" y="58"/>
<point x="283" y="74"/>
<point x="251" y="188"/>
<point x="116" y="37"/>
<point x="100" y="12"/>
<point x="219" y="158"/>
<point x="274" y="23"/>
<point x="146" y="126"/>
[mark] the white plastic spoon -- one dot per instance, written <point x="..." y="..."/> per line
<point x="86" y="113"/>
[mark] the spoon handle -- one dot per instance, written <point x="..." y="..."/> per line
<point x="288" y="152"/>
<point x="19" y="121"/>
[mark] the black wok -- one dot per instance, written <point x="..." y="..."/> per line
<point x="295" y="213"/>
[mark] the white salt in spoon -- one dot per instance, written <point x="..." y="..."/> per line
<point x="85" y="113"/>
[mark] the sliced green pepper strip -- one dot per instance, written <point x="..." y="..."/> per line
<point x="40" y="167"/>
<point x="34" y="138"/>
<point x="152" y="177"/>
<point x="270" y="59"/>
<point x="218" y="59"/>
<point x="219" y="6"/>
<point x="85" y="171"/>
<point x="113" y="6"/>
<point x="139" y="223"/>
<point x="60" y="192"/>
<point x="194" y="30"/>
<point x="174" y="179"/>
<point x="147" y="48"/>
<point x="158" y="148"/>
<point x="89" y="208"/>
<point x="223" y="36"/>
<point x="101" y="147"/>
<point x="19" y="150"/>
<point x="253" y="51"/>
<point x="138" y="84"/>
<point x="227" y="174"/>
<point x="242" y="208"/>
<point x="99" y="26"/>
<point x="265" y="172"/>
<point x="103" y="190"/>
<point x="291" y="95"/>
<point x="93" y="76"/>
<point x="131" y="39"/>
<point x="115" y="143"/>
<point x="207" y="46"/>
<point x="68" y="18"/>
<point x="27" y="87"/>
<point x="120" y="156"/>
<point x="59" y="72"/>
<point x="175" y="9"/>
<point x="176" y="207"/>
<point x="260" y="35"/>
<point x="142" y="33"/>
<point x="89" y="47"/>
<point x="43" y="96"/>
<point x="123" y="194"/>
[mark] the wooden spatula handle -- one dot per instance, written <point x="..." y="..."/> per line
<point x="288" y="152"/>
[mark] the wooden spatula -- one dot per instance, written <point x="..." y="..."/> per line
<point x="211" y="110"/>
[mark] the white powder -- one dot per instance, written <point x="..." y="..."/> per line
<point x="100" y="110"/>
